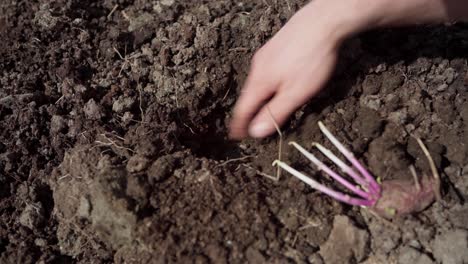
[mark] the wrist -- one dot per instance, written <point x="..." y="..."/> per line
<point x="342" y="19"/>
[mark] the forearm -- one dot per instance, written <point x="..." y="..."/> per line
<point x="347" y="17"/>
<point x="413" y="12"/>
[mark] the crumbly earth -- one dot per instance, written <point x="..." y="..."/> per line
<point x="113" y="142"/>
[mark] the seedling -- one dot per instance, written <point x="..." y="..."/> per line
<point x="388" y="199"/>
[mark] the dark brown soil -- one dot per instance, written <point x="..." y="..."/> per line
<point x="113" y="141"/>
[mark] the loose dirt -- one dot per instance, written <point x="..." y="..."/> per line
<point x="113" y="143"/>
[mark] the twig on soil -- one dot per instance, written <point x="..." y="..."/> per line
<point x="68" y="175"/>
<point x="60" y="99"/>
<point x="191" y="130"/>
<point x="309" y="224"/>
<point x="280" y="150"/>
<point x="140" y="103"/>
<point x="415" y="177"/>
<point x="404" y="75"/>
<point x="118" y="53"/>
<point x="64" y="176"/>
<point x="8" y="100"/>
<point x="125" y="16"/>
<point x="14" y="178"/>
<point x="280" y="142"/>
<point x="288" y="4"/>
<point x="122" y="58"/>
<point x="133" y="120"/>
<point x="112" y="11"/>
<point x="82" y="134"/>
<point x="126" y="58"/>
<point x="226" y="95"/>
<point x="273" y="178"/>
<point x="112" y="143"/>
<point x="432" y="165"/>
<point x="117" y="136"/>
<point x="234" y="160"/>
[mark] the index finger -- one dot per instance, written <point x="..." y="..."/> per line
<point x="255" y="94"/>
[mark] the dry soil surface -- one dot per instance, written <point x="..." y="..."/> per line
<point x="113" y="143"/>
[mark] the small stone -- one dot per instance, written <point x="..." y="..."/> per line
<point x="40" y="242"/>
<point x="444" y="64"/>
<point x="83" y="37"/>
<point x="123" y="103"/>
<point x="127" y="118"/>
<point x="315" y="259"/>
<point x="80" y="89"/>
<point x="392" y="82"/>
<point x="45" y="19"/>
<point x="140" y="22"/>
<point x="449" y="75"/>
<point x="295" y="255"/>
<point x="372" y="84"/>
<point x="381" y="68"/>
<point x="345" y="242"/>
<point x="57" y="124"/>
<point x="410" y="128"/>
<point x="464" y="112"/>
<point x="32" y="215"/>
<point x="368" y="123"/>
<point x="442" y="87"/>
<point x="137" y="163"/>
<point x="450" y="247"/>
<point x="411" y="255"/>
<point x="456" y="152"/>
<point x="92" y="110"/>
<point x="254" y="256"/>
<point x="399" y="117"/>
<point x="206" y="37"/>
<point x="287" y="218"/>
<point x="167" y="2"/>
<point x="161" y="168"/>
<point x="371" y="101"/>
<point x="84" y="209"/>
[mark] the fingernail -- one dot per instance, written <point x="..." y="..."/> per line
<point x="259" y="130"/>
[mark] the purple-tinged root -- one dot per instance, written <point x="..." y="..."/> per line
<point x="390" y="199"/>
<point x="322" y="188"/>
<point x="373" y="185"/>
<point x="321" y="166"/>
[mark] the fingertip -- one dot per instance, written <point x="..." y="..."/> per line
<point x="276" y="113"/>
<point x="238" y="123"/>
<point x="236" y="133"/>
<point x="261" y="129"/>
<point x="246" y="109"/>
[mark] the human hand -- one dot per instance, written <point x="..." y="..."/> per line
<point x="297" y="62"/>
<point x="293" y="66"/>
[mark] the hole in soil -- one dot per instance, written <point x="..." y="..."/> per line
<point x="44" y="194"/>
<point x="62" y="260"/>
<point x="211" y="142"/>
<point x="146" y="212"/>
<point x="3" y="245"/>
<point x="210" y="145"/>
<point x="5" y="188"/>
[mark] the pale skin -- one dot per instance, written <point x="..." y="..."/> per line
<point x="298" y="61"/>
